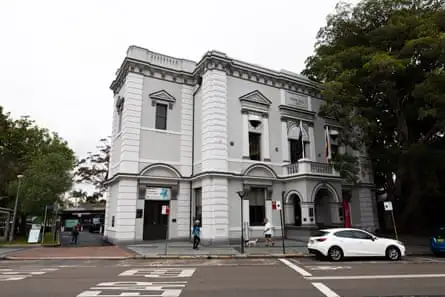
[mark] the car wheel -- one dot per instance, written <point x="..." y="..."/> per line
<point x="335" y="253"/>
<point x="393" y="253"/>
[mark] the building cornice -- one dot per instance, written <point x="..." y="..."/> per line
<point x="213" y="60"/>
<point x="294" y="113"/>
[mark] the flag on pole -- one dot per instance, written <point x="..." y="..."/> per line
<point x="327" y="144"/>
<point x="301" y="139"/>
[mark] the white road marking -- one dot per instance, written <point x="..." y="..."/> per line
<point x="349" y="277"/>
<point x="325" y="290"/>
<point x="326" y="267"/>
<point x="164" y="289"/>
<point x="160" y="272"/>
<point x="295" y="268"/>
<point x="9" y="274"/>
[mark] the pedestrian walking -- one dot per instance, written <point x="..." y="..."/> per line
<point x="196" y="235"/>
<point x="75" y="234"/>
<point x="268" y="233"/>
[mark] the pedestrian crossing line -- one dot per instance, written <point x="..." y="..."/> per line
<point x="9" y="274"/>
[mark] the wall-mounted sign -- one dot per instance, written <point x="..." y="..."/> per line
<point x="157" y="193"/>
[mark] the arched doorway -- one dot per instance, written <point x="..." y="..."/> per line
<point x="293" y="210"/>
<point x="327" y="208"/>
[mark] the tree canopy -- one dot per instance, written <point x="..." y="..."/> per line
<point x="42" y="157"/>
<point x="93" y="170"/>
<point x="381" y="64"/>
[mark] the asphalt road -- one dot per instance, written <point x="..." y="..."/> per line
<point x="218" y="278"/>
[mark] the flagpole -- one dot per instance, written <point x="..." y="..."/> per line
<point x="328" y="143"/>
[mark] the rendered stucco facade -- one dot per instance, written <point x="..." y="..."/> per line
<point x="210" y="113"/>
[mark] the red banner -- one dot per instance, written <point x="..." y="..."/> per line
<point x="346" y="214"/>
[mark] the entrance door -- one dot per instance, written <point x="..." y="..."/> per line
<point x="297" y="212"/>
<point x="155" y="223"/>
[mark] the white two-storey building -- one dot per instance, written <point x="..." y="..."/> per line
<point x="191" y="135"/>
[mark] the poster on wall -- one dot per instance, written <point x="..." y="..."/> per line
<point x="157" y="194"/>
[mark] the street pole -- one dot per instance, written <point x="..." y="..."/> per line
<point x="242" y="194"/>
<point x="282" y="231"/>
<point x="44" y="223"/>
<point x="242" y="226"/>
<point x="14" y="217"/>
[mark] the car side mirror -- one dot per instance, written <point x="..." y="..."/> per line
<point x="374" y="238"/>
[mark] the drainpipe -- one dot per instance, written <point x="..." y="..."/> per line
<point x="193" y="156"/>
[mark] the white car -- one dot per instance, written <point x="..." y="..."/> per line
<point x="338" y="243"/>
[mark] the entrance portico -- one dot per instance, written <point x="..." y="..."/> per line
<point x="327" y="206"/>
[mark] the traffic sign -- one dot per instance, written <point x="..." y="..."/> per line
<point x="387" y="205"/>
<point x="276" y="205"/>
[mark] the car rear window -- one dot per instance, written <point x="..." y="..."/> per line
<point x="319" y="233"/>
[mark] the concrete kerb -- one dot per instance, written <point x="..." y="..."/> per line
<point x="166" y="257"/>
<point x="178" y="257"/>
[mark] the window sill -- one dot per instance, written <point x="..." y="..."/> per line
<point x="169" y="132"/>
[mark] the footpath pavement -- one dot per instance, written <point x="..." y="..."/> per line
<point x="91" y="246"/>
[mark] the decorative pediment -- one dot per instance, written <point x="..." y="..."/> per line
<point x="162" y="95"/>
<point x="256" y="97"/>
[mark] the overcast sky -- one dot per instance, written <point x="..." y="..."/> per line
<point x="58" y="58"/>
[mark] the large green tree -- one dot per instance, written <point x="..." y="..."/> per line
<point x="93" y="170"/>
<point x="381" y="64"/>
<point x="42" y="157"/>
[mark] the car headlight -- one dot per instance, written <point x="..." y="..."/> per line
<point x="401" y="243"/>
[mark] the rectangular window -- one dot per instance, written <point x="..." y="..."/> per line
<point x="296" y="150"/>
<point x="198" y="204"/>
<point x="161" y="116"/>
<point x="334" y="150"/>
<point x="255" y="146"/>
<point x="257" y="209"/>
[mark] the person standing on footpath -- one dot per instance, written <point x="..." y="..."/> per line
<point x="196" y="235"/>
<point x="268" y="232"/>
<point x="75" y="234"/>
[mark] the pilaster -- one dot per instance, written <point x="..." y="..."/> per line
<point x="215" y="208"/>
<point x="368" y="220"/>
<point x="186" y="130"/>
<point x="284" y="142"/>
<point x="312" y="152"/>
<point x="131" y="123"/>
<point x="245" y="132"/>
<point x="183" y="210"/>
<point x="307" y="216"/>
<point x="125" y="222"/>
<point x="214" y="121"/>
<point x="265" y="139"/>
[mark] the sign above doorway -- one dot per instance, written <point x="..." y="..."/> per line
<point x="157" y="193"/>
